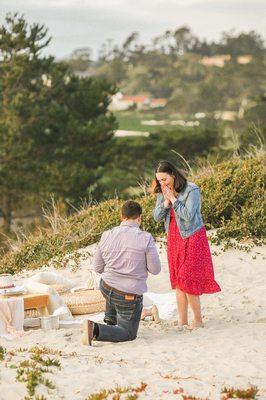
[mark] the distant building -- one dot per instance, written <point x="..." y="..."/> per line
<point x="121" y="102"/>
<point x="220" y="60"/>
<point x="158" y="103"/>
<point x="244" y="59"/>
<point x="117" y="104"/>
<point x="215" y="61"/>
<point x="139" y="101"/>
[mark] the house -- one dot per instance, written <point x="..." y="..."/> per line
<point x="121" y="102"/>
<point x="215" y="61"/>
<point x="220" y="60"/>
<point x="140" y="101"/>
<point x="117" y="104"/>
<point x="244" y="59"/>
<point x="158" y="103"/>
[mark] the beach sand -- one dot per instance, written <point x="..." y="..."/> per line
<point x="229" y="351"/>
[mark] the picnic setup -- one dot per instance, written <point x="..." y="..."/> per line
<point x="46" y="301"/>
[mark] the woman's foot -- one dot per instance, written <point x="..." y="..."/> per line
<point x="195" y="325"/>
<point x="155" y="314"/>
<point x="182" y="328"/>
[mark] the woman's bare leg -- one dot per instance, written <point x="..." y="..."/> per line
<point x="194" y="303"/>
<point x="182" y="306"/>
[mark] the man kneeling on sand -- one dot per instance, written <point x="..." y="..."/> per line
<point x="124" y="257"/>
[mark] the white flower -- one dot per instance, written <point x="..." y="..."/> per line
<point x="66" y="79"/>
<point x="46" y="80"/>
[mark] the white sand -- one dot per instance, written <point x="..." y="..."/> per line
<point x="229" y="351"/>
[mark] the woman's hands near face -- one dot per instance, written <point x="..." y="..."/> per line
<point x="167" y="186"/>
<point x="169" y="195"/>
<point x="166" y="202"/>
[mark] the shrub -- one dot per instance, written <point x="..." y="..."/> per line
<point x="233" y="198"/>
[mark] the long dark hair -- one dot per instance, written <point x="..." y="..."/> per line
<point x="180" y="180"/>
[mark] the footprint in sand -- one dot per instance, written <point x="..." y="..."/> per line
<point x="260" y="320"/>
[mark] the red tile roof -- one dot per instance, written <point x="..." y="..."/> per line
<point x="136" y="99"/>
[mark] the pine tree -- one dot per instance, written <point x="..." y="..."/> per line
<point x="54" y="128"/>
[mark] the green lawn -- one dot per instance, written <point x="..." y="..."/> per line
<point x="131" y="121"/>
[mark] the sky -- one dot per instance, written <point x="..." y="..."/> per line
<point x="88" y="23"/>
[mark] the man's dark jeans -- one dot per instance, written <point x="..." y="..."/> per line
<point x="121" y="309"/>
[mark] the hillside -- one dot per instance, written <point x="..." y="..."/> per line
<point x="192" y="74"/>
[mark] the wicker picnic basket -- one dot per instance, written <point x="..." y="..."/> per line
<point x="84" y="301"/>
<point x="60" y="289"/>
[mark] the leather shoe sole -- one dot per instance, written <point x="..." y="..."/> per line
<point x="88" y="327"/>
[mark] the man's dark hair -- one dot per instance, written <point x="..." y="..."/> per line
<point x="131" y="209"/>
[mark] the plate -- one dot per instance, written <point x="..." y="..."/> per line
<point x="13" y="291"/>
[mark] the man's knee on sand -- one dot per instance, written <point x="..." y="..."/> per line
<point x="133" y="335"/>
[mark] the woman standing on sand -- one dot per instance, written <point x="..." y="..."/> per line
<point x="189" y="257"/>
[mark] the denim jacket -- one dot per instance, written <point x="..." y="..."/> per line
<point x="186" y="208"/>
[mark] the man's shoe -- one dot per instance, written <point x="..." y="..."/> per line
<point x="88" y="328"/>
<point x="109" y="321"/>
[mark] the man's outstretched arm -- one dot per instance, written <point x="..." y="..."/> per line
<point x="152" y="258"/>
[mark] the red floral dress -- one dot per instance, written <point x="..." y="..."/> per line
<point x="189" y="260"/>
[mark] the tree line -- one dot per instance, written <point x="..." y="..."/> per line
<point x="55" y="132"/>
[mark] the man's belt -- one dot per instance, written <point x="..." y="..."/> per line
<point x="128" y="296"/>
